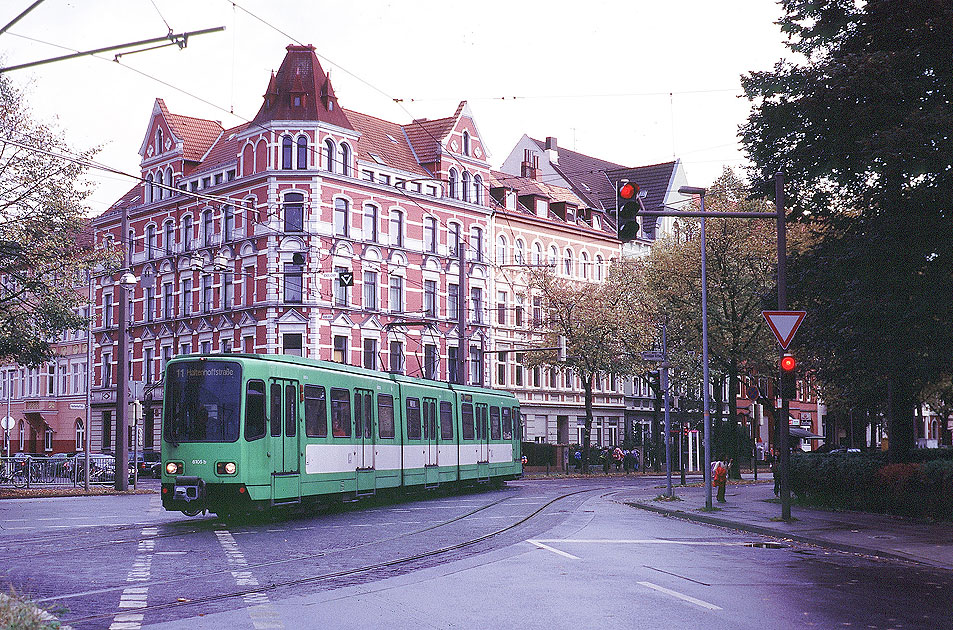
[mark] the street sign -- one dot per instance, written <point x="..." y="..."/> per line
<point x="7" y="423"/>
<point x="346" y="278"/>
<point x="784" y="324"/>
<point x="653" y="355"/>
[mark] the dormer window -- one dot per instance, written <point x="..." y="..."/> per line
<point x="297" y="101"/>
<point x="158" y="141"/>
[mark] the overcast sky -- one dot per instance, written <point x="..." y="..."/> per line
<point x="636" y="82"/>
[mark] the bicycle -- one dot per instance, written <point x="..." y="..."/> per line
<point x="16" y="477"/>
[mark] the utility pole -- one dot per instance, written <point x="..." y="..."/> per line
<point x="461" y="313"/>
<point x="784" y="429"/>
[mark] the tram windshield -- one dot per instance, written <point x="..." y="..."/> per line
<point x="202" y="402"/>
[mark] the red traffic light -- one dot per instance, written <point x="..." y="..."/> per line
<point x="628" y="190"/>
<point x="788" y="363"/>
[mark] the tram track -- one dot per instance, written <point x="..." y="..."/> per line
<point x="311" y="579"/>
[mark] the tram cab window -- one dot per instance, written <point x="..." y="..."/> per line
<point x="494" y="423"/>
<point x="254" y="410"/>
<point x="315" y="411"/>
<point x="385" y="415"/>
<point x="446" y="420"/>
<point x="275" y="409"/>
<point x="413" y="418"/>
<point x="507" y="424"/>
<point x="340" y="412"/>
<point x="466" y="420"/>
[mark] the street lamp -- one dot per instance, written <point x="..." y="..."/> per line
<point x="706" y="415"/>
<point x="126" y="281"/>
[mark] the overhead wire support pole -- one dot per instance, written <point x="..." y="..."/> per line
<point x="180" y="39"/>
<point x="22" y="15"/>
<point x="785" y="420"/>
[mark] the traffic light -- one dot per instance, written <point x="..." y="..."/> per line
<point x="628" y="206"/>
<point x="788" y="377"/>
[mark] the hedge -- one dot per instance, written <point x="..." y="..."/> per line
<point x="867" y="482"/>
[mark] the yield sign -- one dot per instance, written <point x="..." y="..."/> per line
<point x="784" y="324"/>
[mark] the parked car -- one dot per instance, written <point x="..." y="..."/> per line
<point x="150" y="465"/>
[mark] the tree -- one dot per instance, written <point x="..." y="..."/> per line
<point x="741" y="266"/>
<point x="861" y="131"/>
<point x="45" y="243"/>
<point x="602" y="326"/>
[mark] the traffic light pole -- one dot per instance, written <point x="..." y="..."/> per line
<point x="784" y="428"/>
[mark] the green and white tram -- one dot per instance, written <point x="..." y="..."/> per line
<point x="247" y="432"/>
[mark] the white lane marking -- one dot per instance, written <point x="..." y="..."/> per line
<point x="681" y="596"/>
<point x="134" y="597"/>
<point x="540" y="545"/>
<point x="263" y="614"/>
<point x="644" y="541"/>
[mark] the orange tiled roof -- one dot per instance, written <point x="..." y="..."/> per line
<point x="376" y="138"/>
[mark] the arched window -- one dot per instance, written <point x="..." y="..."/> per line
<point x="341" y="218"/>
<point x="501" y="250"/>
<point x="518" y="256"/>
<point x="396" y="228"/>
<point x="452" y="182"/>
<point x="466" y="143"/>
<point x="345" y="159"/>
<point x="584" y="258"/>
<point x="22" y="436"/>
<point x="599" y="268"/>
<point x="286" y="150"/>
<point x="329" y="155"/>
<point x="476" y="243"/>
<point x="169" y="182"/>
<point x="160" y="191"/>
<point x="553" y="255"/>
<point x="478" y="190"/>
<point x="430" y="235"/>
<point x="169" y="238"/>
<point x="158" y="140"/>
<point x="537" y="254"/>
<point x="148" y="189"/>
<point x="80" y="436"/>
<point x="228" y="221"/>
<point x="187" y="232"/>
<point x="302" y="152"/>
<point x="208" y="227"/>
<point x="370" y="223"/>
<point x="567" y="263"/>
<point x="465" y="186"/>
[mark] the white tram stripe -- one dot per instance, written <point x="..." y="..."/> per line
<point x="263" y="615"/>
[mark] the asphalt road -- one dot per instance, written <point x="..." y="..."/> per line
<point x="536" y="554"/>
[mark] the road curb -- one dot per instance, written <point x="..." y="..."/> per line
<point x="776" y="533"/>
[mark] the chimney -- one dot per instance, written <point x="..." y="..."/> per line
<point x="552" y="151"/>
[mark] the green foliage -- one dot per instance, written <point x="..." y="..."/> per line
<point x="539" y="454"/>
<point x="19" y="613"/>
<point x="860" y="128"/>
<point x="45" y="240"/>
<point x="867" y="482"/>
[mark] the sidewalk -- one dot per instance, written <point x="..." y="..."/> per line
<point x="753" y="508"/>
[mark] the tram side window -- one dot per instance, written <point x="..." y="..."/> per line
<point x="413" y="418"/>
<point x="507" y="424"/>
<point x="255" y="410"/>
<point x="494" y="423"/>
<point x="430" y="419"/>
<point x="275" y="409"/>
<point x="315" y="411"/>
<point x="340" y="412"/>
<point x="446" y="420"/>
<point x="481" y="422"/>
<point x="385" y="415"/>
<point x="466" y="419"/>
<point x="291" y="410"/>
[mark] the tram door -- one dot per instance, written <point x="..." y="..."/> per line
<point x="482" y="435"/>
<point x="284" y="435"/>
<point x="364" y="437"/>
<point x="431" y="441"/>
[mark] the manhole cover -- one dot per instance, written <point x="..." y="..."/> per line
<point x="765" y="545"/>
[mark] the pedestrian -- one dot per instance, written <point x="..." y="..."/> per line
<point x="627" y="461"/>
<point x="636" y="460"/>
<point x="720" y="479"/>
<point x="772" y="456"/>
<point x="606" y="460"/>
<point x="617" y="455"/>
<point x="577" y="459"/>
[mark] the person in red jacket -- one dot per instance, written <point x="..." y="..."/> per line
<point x="719" y="479"/>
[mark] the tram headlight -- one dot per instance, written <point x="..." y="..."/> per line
<point x="226" y="468"/>
<point x="174" y="468"/>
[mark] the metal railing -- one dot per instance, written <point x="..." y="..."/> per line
<point x="21" y="471"/>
